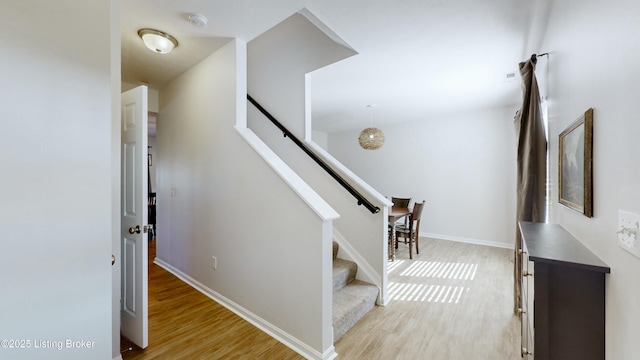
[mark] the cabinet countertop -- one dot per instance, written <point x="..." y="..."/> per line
<point x="552" y="244"/>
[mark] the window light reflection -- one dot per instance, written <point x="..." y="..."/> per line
<point x="426" y="293"/>
<point x="441" y="270"/>
<point x="392" y="265"/>
<point x="449" y="293"/>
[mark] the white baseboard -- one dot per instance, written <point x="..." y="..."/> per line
<point x="119" y="357"/>
<point x="468" y="240"/>
<point x="330" y="354"/>
<point x="275" y="332"/>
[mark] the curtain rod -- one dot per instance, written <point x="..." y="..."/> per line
<point x="533" y="56"/>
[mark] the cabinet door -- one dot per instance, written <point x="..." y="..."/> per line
<point x="530" y="305"/>
<point x="524" y="332"/>
<point x="524" y="269"/>
<point x="524" y="311"/>
<point x="526" y="316"/>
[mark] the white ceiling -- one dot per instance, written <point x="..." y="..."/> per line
<point x="417" y="58"/>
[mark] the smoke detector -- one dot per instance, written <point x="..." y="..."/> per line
<point x="198" y="20"/>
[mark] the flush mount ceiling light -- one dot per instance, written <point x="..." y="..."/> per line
<point x="371" y="138"/>
<point x="158" y="41"/>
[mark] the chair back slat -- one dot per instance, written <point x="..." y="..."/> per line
<point x="416" y="213"/>
<point x="412" y="231"/>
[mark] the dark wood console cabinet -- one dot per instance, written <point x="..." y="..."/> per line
<point x="563" y="299"/>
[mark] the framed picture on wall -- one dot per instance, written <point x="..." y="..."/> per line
<point x="575" y="166"/>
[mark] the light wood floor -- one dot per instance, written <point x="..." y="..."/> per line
<point x="451" y="302"/>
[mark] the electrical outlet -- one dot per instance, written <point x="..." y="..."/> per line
<point x="629" y="231"/>
<point x="510" y="77"/>
<point x="214" y="262"/>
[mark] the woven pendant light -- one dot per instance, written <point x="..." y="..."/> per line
<point x="371" y="138"/>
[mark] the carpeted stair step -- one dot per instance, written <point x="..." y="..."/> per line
<point x="350" y="304"/>
<point x="352" y="298"/>
<point x="344" y="272"/>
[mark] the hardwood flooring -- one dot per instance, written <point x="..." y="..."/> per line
<point x="185" y="324"/>
<point x="451" y="302"/>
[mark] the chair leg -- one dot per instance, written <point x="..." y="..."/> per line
<point x="417" y="250"/>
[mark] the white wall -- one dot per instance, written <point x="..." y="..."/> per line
<point x="278" y="62"/>
<point x="462" y="165"/>
<point x="56" y="161"/>
<point x="230" y="204"/>
<point x="320" y="138"/>
<point x="116" y="145"/>
<point x="594" y="63"/>
<point x="280" y="58"/>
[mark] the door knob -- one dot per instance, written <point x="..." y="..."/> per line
<point x="134" y="230"/>
<point x="113" y="259"/>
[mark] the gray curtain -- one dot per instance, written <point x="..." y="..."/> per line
<point x="532" y="163"/>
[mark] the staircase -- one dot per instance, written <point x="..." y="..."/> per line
<point x="352" y="298"/>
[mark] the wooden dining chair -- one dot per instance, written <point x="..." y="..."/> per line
<point x="412" y="231"/>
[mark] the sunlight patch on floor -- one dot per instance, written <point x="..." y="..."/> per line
<point x="392" y="265"/>
<point x="441" y="270"/>
<point x="426" y="293"/>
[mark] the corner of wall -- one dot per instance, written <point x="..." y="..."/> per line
<point x="241" y="83"/>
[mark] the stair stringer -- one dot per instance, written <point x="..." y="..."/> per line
<point x="365" y="272"/>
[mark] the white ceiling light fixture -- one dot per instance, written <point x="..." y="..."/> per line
<point x="158" y="41"/>
<point x="371" y="138"/>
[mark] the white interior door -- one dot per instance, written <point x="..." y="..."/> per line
<point x="134" y="295"/>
